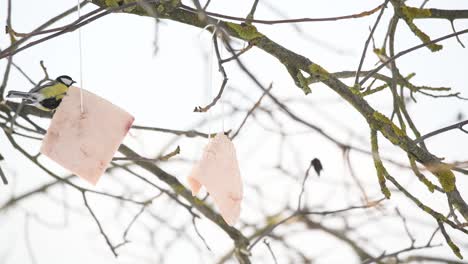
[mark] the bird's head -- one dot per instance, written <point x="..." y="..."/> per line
<point x="65" y="79"/>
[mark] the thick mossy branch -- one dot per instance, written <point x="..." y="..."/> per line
<point x="379" y="167"/>
<point x="159" y="9"/>
<point x="434" y="13"/>
<point x="397" y="131"/>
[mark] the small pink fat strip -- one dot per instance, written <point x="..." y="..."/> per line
<point x="218" y="170"/>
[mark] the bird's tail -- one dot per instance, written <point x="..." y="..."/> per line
<point x="28" y="97"/>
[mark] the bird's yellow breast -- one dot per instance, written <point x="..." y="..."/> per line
<point x="56" y="90"/>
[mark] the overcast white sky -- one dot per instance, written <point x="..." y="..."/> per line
<point x="162" y="91"/>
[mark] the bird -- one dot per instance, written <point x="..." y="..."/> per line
<point x="46" y="97"/>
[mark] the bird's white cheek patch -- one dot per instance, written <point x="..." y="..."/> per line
<point x="218" y="171"/>
<point x="85" y="143"/>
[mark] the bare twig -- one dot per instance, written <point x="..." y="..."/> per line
<point x="199" y="234"/>
<point x="271" y="227"/>
<point x="301" y="194"/>
<point x="127" y="230"/>
<point x="405" y="224"/>
<point x="458" y="125"/>
<point x="371" y="34"/>
<point x="98" y="223"/>
<point x="255" y="106"/>
<point x="27" y="239"/>
<point x="457" y="37"/>
<point x="288" y="21"/>
<point x="267" y="244"/>
<point x="401" y="53"/>
<point x="161" y="158"/>
<point x="187" y="133"/>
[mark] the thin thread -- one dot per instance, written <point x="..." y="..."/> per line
<point x="221" y="101"/>
<point x="210" y="85"/>
<point x="210" y="76"/>
<point x="210" y="72"/>
<point x="81" y="58"/>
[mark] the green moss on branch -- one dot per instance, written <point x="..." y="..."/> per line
<point x="379" y="167"/>
<point x="408" y="14"/>
<point x="244" y="31"/>
<point x="412" y="12"/>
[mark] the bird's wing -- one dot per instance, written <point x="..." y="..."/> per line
<point x="38" y="88"/>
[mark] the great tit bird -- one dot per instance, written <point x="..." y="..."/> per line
<point x="46" y="97"/>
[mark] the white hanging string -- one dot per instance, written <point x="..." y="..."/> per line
<point x="210" y="73"/>
<point x="81" y="58"/>
<point x="221" y="101"/>
<point x="217" y="30"/>
<point x="210" y="83"/>
<point x="211" y="79"/>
